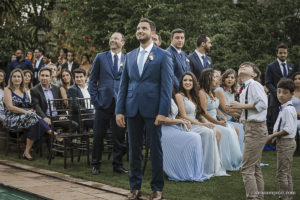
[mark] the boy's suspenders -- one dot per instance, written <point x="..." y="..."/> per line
<point x="279" y="124"/>
<point x="246" y="102"/>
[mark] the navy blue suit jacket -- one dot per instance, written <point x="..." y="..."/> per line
<point x="148" y="94"/>
<point x="103" y="83"/>
<point x="24" y="64"/>
<point x="36" y="70"/>
<point x="196" y="64"/>
<point x="180" y="66"/>
<point x="75" y="92"/>
<point x="272" y="77"/>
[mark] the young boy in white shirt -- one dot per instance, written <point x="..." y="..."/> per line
<point x="284" y="132"/>
<point x="253" y="104"/>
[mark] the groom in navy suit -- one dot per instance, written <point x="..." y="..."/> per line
<point x="103" y="88"/>
<point x="144" y="99"/>
<point x="179" y="58"/>
<point x="198" y="59"/>
<point x="275" y="71"/>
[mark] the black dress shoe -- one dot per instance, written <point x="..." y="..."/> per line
<point x="95" y="170"/>
<point x="120" y="170"/>
<point x="26" y="158"/>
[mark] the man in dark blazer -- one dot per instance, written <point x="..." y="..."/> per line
<point x="79" y="90"/>
<point x="104" y="87"/>
<point x="198" y="59"/>
<point x="44" y="91"/>
<point x="71" y="65"/>
<point x="275" y="71"/>
<point x="144" y="99"/>
<point x="38" y="64"/>
<point x="179" y="58"/>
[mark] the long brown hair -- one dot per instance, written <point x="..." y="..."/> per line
<point x="2" y="84"/>
<point x="205" y="81"/>
<point x="10" y="83"/>
<point x="194" y="93"/>
<point x="64" y="85"/>
<point x="30" y="85"/>
<point x="225" y="75"/>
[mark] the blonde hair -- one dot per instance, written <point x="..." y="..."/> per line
<point x="10" y="83"/>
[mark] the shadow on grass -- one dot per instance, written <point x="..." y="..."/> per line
<point x="217" y="188"/>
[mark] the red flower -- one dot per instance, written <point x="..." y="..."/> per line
<point x="272" y="33"/>
<point x="103" y="6"/>
<point x="83" y="37"/>
<point x="65" y="10"/>
<point x="85" y="2"/>
<point x="62" y="41"/>
<point x="90" y="40"/>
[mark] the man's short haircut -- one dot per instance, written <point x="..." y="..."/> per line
<point x="47" y="56"/>
<point x="19" y="50"/>
<point x="45" y="69"/>
<point x="40" y="50"/>
<point x="286" y="83"/>
<point x="201" y="38"/>
<point x="51" y="64"/>
<point x="158" y="35"/>
<point x="151" y="23"/>
<point x="281" y="46"/>
<point x="255" y="69"/>
<point x="122" y="35"/>
<point x="79" y="71"/>
<point x="177" y="30"/>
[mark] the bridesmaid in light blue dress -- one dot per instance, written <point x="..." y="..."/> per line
<point x="226" y="94"/>
<point x="230" y="152"/>
<point x="189" y="108"/>
<point x="182" y="150"/>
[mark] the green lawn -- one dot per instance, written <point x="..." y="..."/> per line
<point x="223" y="188"/>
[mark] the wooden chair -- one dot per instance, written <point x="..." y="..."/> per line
<point x="15" y="138"/>
<point x="61" y="121"/>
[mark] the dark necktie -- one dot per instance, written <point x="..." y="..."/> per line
<point x="284" y="70"/>
<point x="242" y="87"/>
<point x="204" y="61"/>
<point x="115" y="66"/>
<point x="182" y="59"/>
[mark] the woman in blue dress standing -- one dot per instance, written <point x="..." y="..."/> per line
<point x="182" y="149"/>
<point x="19" y="114"/>
<point x="230" y="152"/>
<point x="226" y="94"/>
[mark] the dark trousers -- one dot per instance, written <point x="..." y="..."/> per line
<point x="272" y="114"/>
<point x="103" y="117"/>
<point x="136" y="131"/>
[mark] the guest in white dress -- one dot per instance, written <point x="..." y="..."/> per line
<point x="230" y="152"/>
<point x="189" y="108"/>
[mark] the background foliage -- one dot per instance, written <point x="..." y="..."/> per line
<point x="248" y="30"/>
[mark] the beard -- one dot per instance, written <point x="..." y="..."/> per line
<point x="144" y="40"/>
<point x="19" y="57"/>
<point x="206" y="49"/>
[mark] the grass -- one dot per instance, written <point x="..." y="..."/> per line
<point x="214" y="189"/>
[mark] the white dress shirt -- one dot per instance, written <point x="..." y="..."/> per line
<point x="38" y="62"/>
<point x="257" y="97"/>
<point x="288" y="116"/>
<point x="281" y="66"/>
<point x="178" y="50"/>
<point x="85" y="92"/>
<point x="148" y="49"/>
<point x="200" y="56"/>
<point x="119" y="58"/>
<point x="70" y="65"/>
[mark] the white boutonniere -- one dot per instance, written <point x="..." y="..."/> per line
<point x="208" y="62"/>
<point x="151" y="56"/>
<point x="290" y="69"/>
<point x="121" y="64"/>
<point x="187" y="60"/>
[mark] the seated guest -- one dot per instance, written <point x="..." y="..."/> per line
<point x="66" y="82"/>
<point x="44" y="91"/>
<point x="230" y="152"/>
<point x="62" y="59"/>
<point x="85" y="64"/>
<point x="296" y="97"/>
<point x="190" y="109"/>
<point x="71" y="65"/>
<point x="54" y="80"/>
<point x="78" y="90"/>
<point x="2" y="86"/>
<point x="19" y="113"/>
<point x="182" y="149"/>
<point x="226" y="94"/>
<point x="28" y="82"/>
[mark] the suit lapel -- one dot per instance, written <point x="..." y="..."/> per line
<point x="278" y="69"/>
<point x="134" y="60"/>
<point x="110" y="64"/>
<point x="179" y="60"/>
<point x="198" y="60"/>
<point x="152" y="53"/>
<point x="42" y="95"/>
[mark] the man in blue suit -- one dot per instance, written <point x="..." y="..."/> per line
<point x="144" y="99"/>
<point x="179" y="58"/>
<point x="198" y="59"/>
<point x="103" y="88"/>
<point x="275" y="71"/>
